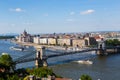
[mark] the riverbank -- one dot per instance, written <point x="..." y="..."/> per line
<point x="51" y="47"/>
<point x="38" y="45"/>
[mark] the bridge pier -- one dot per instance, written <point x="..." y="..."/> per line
<point x="101" y="48"/>
<point x="101" y="52"/>
<point x="41" y="59"/>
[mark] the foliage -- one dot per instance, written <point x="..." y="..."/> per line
<point x="1" y="78"/>
<point x="7" y="76"/>
<point x="14" y="77"/>
<point x="41" y="72"/>
<point x="6" y="37"/>
<point x="85" y="77"/>
<point x="21" y="72"/>
<point x="26" y="78"/>
<point x="6" y="60"/>
<point x="17" y="75"/>
<point x="113" y="42"/>
<point x="58" y="76"/>
<point x="64" y="45"/>
<point x="6" y="63"/>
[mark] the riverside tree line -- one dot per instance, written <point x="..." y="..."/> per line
<point x="112" y="42"/>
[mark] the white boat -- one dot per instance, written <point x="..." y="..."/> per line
<point x="17" y="48"/>
<point x="85" y="62"/>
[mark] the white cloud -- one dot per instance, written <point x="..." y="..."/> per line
<point x="72" y="13"/>
<point x="90" y="11"/>
<point x="17" y="10"/>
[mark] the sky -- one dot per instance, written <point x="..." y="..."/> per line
<point x="59" y="16"/>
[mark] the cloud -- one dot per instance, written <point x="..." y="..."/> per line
<point x="90" y="11"/>
<point x="17" y="10"/>
<point x="72" y="13"/>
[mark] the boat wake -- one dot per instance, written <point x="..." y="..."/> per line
<point x="84" y="62"/>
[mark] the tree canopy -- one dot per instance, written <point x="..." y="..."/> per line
<point x="85" y="77"/>
<point x="41" y="72"/>
<point x="6" y="60"/>
<point x="113" y="42"/>
<point x="6" y="37"/>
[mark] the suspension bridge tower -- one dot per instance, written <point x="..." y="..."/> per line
<point x="101" y="48"/>
<point x="41" y="59"/>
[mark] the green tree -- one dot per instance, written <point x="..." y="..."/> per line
<point x="85" y="77"/>
<point x="41" y="72"/>
<point x="64" y="45"/>
<point x="6" y="60"/>
<point x="26" y="78"/>
<point x="109" y="42"/>
<point x="13" y="77"/>
<point x="21" y="72"/>
<point x="1" y="78"/>
<point x="116" y="42"/>
<point x="113" y="42"/>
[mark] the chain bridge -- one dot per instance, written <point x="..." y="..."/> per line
<point x="41" y="57"/>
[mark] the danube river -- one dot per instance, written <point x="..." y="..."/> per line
<point x="103" y="68"/>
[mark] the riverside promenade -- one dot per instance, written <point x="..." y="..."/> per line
<point x="38" y="45"/>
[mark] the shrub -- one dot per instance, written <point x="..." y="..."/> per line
<point x="85" y="77"/>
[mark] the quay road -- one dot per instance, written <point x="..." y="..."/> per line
<point x="109" y="49"/>
<point x="51" y="47"/>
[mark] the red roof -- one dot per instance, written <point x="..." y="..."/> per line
<point x="97" y="37"/>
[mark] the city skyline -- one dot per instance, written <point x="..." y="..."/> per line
<point x="59" y="16"/>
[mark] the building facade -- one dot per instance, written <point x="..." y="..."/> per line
<point x="52" y="41"/>
<point x="63" y="42"/>
<point x="25" y="37"/>
<point x="90" y="41"/>
<point x="43" y="41"/>
<point x="36" y="40"/>
<point x="78" y="43"/>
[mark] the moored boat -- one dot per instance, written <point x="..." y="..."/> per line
<point x="17" y="48"/>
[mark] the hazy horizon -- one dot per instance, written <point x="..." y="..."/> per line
<point x="59" y="16"/>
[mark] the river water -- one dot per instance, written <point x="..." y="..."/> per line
<point x="103" y="68"/>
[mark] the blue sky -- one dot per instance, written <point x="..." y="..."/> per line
<point x="60" y="16"/>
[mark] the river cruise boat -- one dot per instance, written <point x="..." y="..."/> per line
<point x="17" y="48"/>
